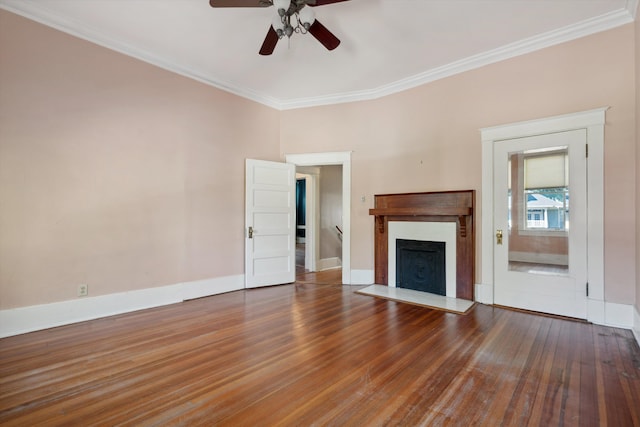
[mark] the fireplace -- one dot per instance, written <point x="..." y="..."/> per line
<point x="420" y="232"/>
<point x="441" y="217"/>
<point x="420" y="265"/>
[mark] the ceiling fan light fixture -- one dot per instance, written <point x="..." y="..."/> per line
<point x="288" y="30"/>
<point x="278" y="23"/>
<point x="278" y="26"/>
<point x="306" y="16"/>
<point x="292" y="16"/>
<point x="282" y="6"/>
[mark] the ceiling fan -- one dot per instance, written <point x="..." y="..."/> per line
<point x="293" y="17"/>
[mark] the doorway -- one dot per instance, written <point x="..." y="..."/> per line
<point x="495" y="215"/>
<point x="317" y="160"/>
<point x="540" y="212"/>
<point x="318" y="220"/>
<point x="301" y="224"/>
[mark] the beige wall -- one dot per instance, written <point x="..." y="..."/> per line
<point x="427" y="138"/>
<point x="637" y="56"/>
<point x="123" y="176"/>
<point x="330" y="211"/>
<point x="115" y="173"/>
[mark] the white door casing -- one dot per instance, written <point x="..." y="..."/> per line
<point x="269" y="223"/>
<point x="593" y="121"/>
<point x="334" y="158"/>
<point x="561" y="294"/>
<point x="312" y="247"/>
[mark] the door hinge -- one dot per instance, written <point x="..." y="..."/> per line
<point x="587" y="288"/>
<point x="586" y="150"/>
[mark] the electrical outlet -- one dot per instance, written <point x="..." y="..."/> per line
<point x="83" y="290"/>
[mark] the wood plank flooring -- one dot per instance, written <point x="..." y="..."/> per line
<point x="319" y="354"/>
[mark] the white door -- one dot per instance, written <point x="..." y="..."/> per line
<point x="270" y="223"/>
<point x="540" y="219"/>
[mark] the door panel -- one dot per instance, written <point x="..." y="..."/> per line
<point x="540" y="220"/>
<point x="270" y="223"/>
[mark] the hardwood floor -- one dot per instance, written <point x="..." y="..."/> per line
<point x="319" y="354"/>
<point x="300" y="248"/>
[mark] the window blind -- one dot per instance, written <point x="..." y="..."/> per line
<point x="546" y="170"/>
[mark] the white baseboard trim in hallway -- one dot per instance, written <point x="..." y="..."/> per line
<point x="329" y="263"/>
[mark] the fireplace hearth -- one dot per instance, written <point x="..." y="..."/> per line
<point x="421" y="266"/>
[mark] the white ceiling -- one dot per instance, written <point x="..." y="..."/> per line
<point x="387" y="45"/>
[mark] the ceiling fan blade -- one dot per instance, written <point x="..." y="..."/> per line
<point x="238" y="3"/>
<point x="323" y="35"/>
<point x="323" y="2"/>
<point x="269" y="43"/>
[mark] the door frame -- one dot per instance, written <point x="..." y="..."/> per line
<point x="593" y="121"/>
<point x="311" y="247"/>
<point x="335" y="158"/>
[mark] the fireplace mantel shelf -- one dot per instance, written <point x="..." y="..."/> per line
<point x="384" y="214"/>
<point x="422" y="211"/>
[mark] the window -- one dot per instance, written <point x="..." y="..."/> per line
<point x="546" y="190"/>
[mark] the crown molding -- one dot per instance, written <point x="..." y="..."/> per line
<point x="572" y="32"/>
<point x="37" y="12"/>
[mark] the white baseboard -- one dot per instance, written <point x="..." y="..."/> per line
<point x="207" y="287"/>
<point x="636" y="324"/>
<point x="33" y="318"/>
<point x="362" y="277"/>
<point x="484" y="293"/>
<point x="618" y="315"/>
<point x="624" y="316"/>
<point x="329" y="263"/>
<point x="610" y="314"/>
